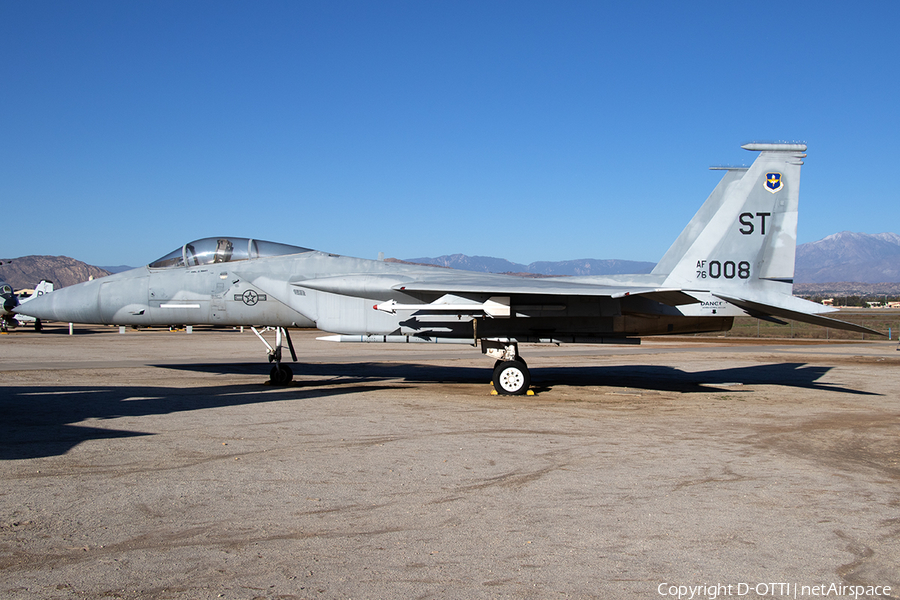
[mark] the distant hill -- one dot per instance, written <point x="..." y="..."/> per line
<point x="591" y="266"/>
<point x="842" y="257"/>
<point x="848" y="256"/>
<point x="27" y="271"/>
<point x="583" y="266"/>
<point x="116" y="268"/>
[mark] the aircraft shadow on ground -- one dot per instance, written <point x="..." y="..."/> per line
<point x="41" y="421"/>
<point x="644" y="377"/>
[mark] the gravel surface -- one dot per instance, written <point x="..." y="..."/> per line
<point x="159" y="464"/>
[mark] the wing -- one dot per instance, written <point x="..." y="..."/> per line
<point x="384" y="286"/>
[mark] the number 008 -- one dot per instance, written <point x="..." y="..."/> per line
<point x="729" y="270"/>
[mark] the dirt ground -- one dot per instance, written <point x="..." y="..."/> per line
<point x="162" y="465"/>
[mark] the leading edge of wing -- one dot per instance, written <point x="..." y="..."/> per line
<point x="759" y="309"/>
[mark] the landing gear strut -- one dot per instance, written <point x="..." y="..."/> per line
<point x="511" y="376"/>
<point x="280" y="374"/>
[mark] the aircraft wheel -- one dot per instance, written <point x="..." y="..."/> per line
<point x="38" y="325"/>
<point x="281" y="375"/>
<point x="511" y="378"/>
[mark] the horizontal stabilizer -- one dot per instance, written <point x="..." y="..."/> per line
<point x="758" y="309"/>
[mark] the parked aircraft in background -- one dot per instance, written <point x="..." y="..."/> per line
<point x="11" y="300"/>
<point x="8" y="301"/>
<point x="44" y="287"/>
<point x="734" y="258"/>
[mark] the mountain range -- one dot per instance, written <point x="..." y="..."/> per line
<point x="843" y="257"/>
<point x="848" y="256"/>
<point x="581" y="266"/>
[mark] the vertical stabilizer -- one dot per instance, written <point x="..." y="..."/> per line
<point x="44" y="287"/>
<point x="693" y="229"/>
<point x="743" y="239"/>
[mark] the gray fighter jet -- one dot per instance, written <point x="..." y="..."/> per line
<point x="734" y="258"/>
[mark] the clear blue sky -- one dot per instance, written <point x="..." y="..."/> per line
<point x="523" y="130"/>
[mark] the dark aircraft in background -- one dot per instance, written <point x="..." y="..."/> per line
<point x="8" y="301"/>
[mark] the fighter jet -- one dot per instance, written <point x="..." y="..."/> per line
<point x="44" y="287"/>
<point x="734" y="258"/>
<point x="12" y="300"/>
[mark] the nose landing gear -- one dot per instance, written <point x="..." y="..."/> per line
<point x="280" y="374"/>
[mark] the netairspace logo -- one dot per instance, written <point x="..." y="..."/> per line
<point x="787" y="590"/>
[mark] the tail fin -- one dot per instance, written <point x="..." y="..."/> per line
<point x="740" y="245"/>
<point x="44" y="287"/>
<point x="742" y="240"/>
<point x="676" y="251"/>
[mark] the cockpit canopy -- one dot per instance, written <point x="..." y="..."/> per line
<point x="214" y="250"/>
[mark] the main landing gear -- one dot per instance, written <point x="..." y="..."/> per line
<point x="280" y="374"/>
<point x="511" y="376"/>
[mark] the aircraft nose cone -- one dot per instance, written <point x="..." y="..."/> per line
<point x="10" y="303"/>
<point x="74" y="304"/>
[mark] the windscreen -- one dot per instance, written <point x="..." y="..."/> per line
<point x="214" y="250"/>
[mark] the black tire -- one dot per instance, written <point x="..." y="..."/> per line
<point x="511" y="378"/>
<point x="281" y="375"/>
